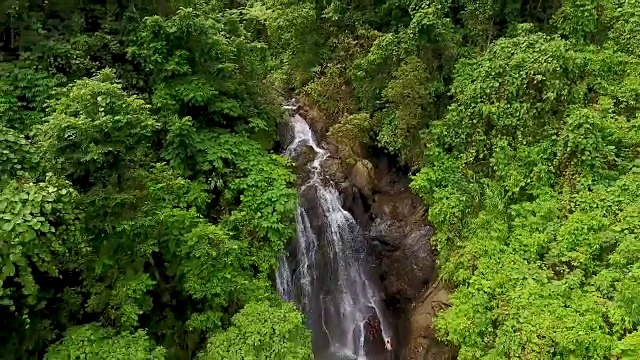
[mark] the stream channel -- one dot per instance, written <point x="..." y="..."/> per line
<point x="327" y="272"/>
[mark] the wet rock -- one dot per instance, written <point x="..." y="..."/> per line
<point x="406" y="262"/>
<point x="331" y="146"/>
<point x="363" y="177"/>
<point x="285" y="134"/>
<point x="317" y="121"/>
<point x="302" y="159"/>
<point x="308" y="199"/>
<point x="422" y="344"/>
<point x="305" y="156"/>
<point x="401" y="241"/>
<point x="354" y="201"/>
<point x="333" y="170"/>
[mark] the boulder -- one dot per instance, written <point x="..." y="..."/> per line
<point x="304" y="156"/>
<point x="363" y="177"/>
<point x="421" y="341"/>
<point x="406" y="262"/>
<point x="353" y="202"/>
<point x="332" y="168"/>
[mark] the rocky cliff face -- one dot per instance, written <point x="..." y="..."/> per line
<point x="393" y="220"/>
<point x="396" y="232"/>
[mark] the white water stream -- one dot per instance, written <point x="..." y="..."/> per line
<point x="328" y="275"/>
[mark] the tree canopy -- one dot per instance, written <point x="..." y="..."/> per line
<point x="519" y="123"/>
<point x="142" y="209"/>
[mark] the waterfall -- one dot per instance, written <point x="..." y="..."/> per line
<point x="328" y="276"/>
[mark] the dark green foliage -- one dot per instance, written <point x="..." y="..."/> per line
<point x="139" y="214"/>
<point x="205" y="66"/>
<point x="74" y="133"/>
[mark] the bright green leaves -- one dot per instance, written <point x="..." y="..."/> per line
<point x="509" y="93"/>
<point x="255" y="187"/>
<point x="214" y="265"/>
<point x="629" y="347"/>
<point x="96" y="129"/>
<point x="268" y="202"/>
<point x="16" y="156"/>
<point x="548" y="277"/>
<point x="526" y="168"/>
<point x="95" y="342"/>
<point x="625" y="32"/>
<point x="262" y="330"/>
<point x="591" y="143"/>
<point x="628" y="296"/>
<point x="38" y="225"/>
<point x="450" y="196"/>
<point x="9" y="107"/>
<point x="123" y="301"/>
<point x="510" y="305"/>
<point x="578" y="21"/>
<point x="524" y="177"/>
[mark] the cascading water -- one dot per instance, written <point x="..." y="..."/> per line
<point x="328" y="275"/>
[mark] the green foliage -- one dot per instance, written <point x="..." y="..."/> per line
<point x="24" y="92"/>
<point x="40" y="239"/>
<point x="94" y="342"/>
<point x="523" y="118"/>
<point x="89" y="109"/>
<point x="262" y="331"/>
<point x="294" y="35"/>
<point x="28" y="238"/>
<point x="151" y="208"/>
<point x="531" y="178"/>
<point x="430" y="37"/>
<point x="242" y="171"/>
<point x="627" y="349"/>
<point x="411" y="99"/>
<point x="155" y="218"/>
<point x="351" y="134"/>
<point x="205" y="66"/>
<point x="332" y="92"/>
<point x="16" y="156"/>
<point x="624" y="29"/>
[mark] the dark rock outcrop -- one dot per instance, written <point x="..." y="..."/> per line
<point x="399" y="237"/>
<point x="405" y="259"/>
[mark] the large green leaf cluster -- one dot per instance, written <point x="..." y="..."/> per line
<point x="93" y="342"/>
<point x="141" y="211"/>
<point x="261" y="331"/>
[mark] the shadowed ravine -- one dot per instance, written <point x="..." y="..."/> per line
<point x="328" y="274"/>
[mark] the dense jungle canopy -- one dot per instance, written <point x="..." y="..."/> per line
<point x="143" y="208"/>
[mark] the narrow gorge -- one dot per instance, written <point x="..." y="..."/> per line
<point x="361" y="267"/>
